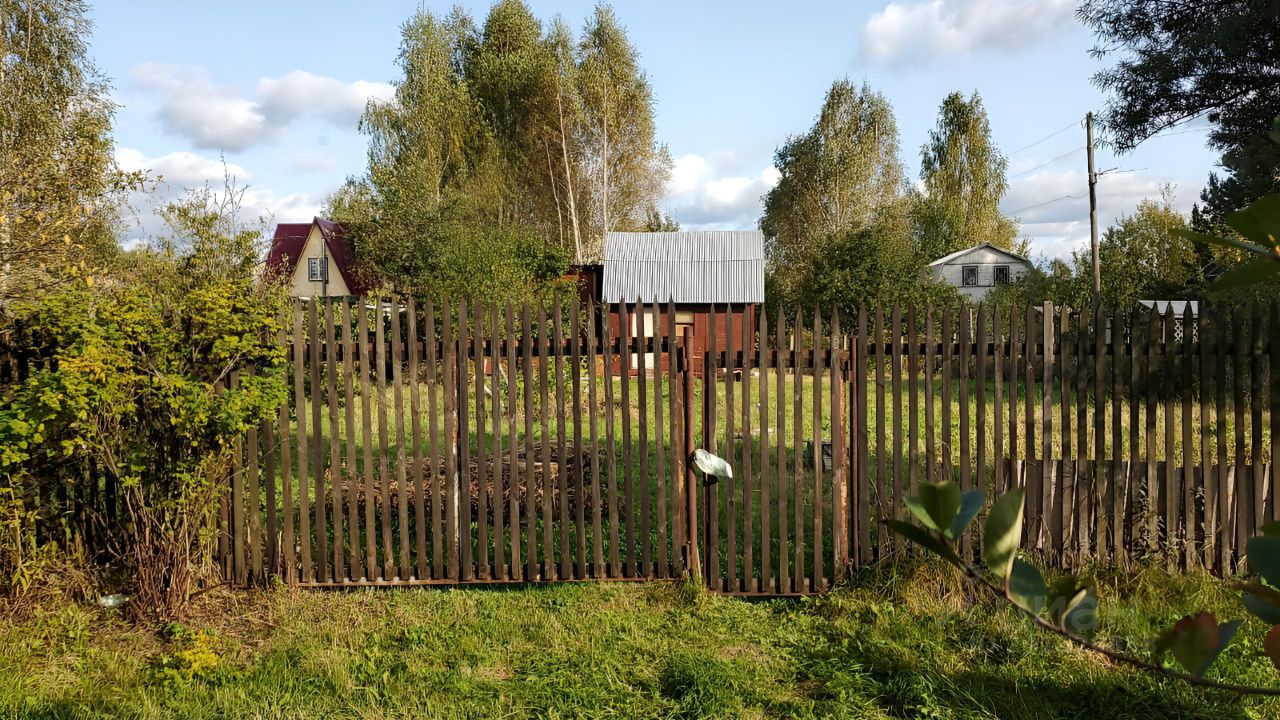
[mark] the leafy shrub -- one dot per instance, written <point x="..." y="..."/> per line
<point x="130" y="384"/>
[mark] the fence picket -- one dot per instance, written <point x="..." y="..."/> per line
<point x="501" y="491"/>
<point x="288" y="570"/>
<point x="301" y="351"/>
<point x="482" y="475"/>
<point x="561" y="511"/>
<point x="676" y="500"/>
<point x="355" y="569"/>
<point x="579" y="487"/>
<point x="999" y="481"/>
<point x="816" y="580"/>
<point x="627" y="507"/>
<point x="597" y="535"/>
<point x="335" y="443"/>
<point x="432" y="339"/>
<point x="730" y="453"/>
<point x="710" y="428"/>
<point x="366" y="414"/>
<point x="548" y="488"/>
<point x="862" y="514"/>
<point x="642" y="420"/>
<point x="884" y="500"/>
<point x="452" y="472"/>
<point x="514" y="474"/>
<point x="402" y="496"/>
<point x="316" y="503"/>
<point x="766" y="530"/>
<point x="1189" y="490"/>
<point x="780" y="432"/>
<point x="748" y="505"/>
<point x="610" y="361"/>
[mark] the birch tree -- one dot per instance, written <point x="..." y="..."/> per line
<point x="963" y="177"/>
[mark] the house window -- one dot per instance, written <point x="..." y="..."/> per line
<point x="969" y="275"/>
<point x="317" y="271"/>
<point x="684" y="319"/>
<point x="1002" y="274"/>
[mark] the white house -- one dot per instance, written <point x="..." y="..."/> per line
<point x="329" y="270"/>
<point x="974" y="271"/>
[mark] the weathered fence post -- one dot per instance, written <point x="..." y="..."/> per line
<point x="692" y="562"/>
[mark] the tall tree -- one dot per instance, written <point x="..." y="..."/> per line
<point x="841" y="184"/>
<point x="963" y="178"/>
<point x="627" y="167"/>
<point x="1142" y="256"/>
<point x="1181" y="60"/>
<point x="435" y="167"/>
<point x="59" y="185"/>
<point x="839" y="173"/>
<point x="520" y="135"/>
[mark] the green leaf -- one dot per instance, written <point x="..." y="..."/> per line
<point x="1262" y="602"/>
<point x="1073" y="605"/>
<point x="1026" y="586"/>
<point x="1271" y="646"/>
<point x="1263" y="554"/>
<point x="1227" y="242"/>
<point x="1260" y="222"/>
<point x="1251" y="273"/>
<point x="1195" y="641"/>
<point x="925" y="539"/>
<point x="970" y="504"/>
<point x="937" y="504"/>
<point x="1003" y="532"/>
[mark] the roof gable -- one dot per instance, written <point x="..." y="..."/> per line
<point x="290" y="241"/>
<point x="684" y="267"/>
<point x="948" y="259"/>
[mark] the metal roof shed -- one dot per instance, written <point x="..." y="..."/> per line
<point x="698" y="267"/>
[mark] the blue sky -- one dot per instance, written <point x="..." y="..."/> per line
<point x="275" y="88"/>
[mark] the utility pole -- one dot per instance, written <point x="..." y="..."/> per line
<point x="1093" y="210"/>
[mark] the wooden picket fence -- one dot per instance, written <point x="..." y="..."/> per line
<point x="455" y="442"/>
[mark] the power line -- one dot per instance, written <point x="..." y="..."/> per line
<point x="1053" y="134"/>
<point x="1180" y="132"/>
<point x="1048" y="162"/>
<point x="1047" y="202"/>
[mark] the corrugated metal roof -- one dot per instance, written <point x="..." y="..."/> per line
<point x="712" y="266"/>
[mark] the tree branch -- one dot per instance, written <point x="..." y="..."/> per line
<point x="1107" y="652"/>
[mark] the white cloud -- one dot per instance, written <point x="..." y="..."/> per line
<point x="180" y="169"/>
<point x="300" y="92"/>
<point x="713" y="194"/>
<point x="921" y="30"/>
<point x="312" y="162"/>
<point x="1053" y="207"/>
<point x="178" y="172"/>
<point x="219" y="117"/>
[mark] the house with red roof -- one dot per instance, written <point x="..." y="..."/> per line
<point x="317" y="260"/>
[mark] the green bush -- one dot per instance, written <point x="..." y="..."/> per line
<point x="131" y="388"/>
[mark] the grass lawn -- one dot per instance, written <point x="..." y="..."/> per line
<point x="892" y="644"/>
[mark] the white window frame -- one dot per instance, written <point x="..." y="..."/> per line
<point x="316" y="269"/>
<point x="1008" y="275"/>
<point x="964" y="276"/>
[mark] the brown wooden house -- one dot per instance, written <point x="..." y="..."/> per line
<point x="696" y="271"/>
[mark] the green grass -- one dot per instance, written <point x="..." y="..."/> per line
<point x="896" y="643"/>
